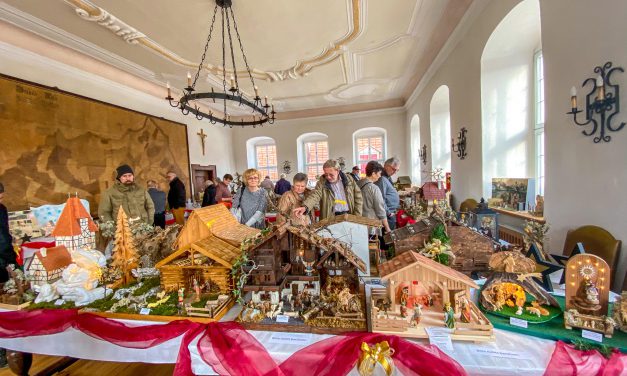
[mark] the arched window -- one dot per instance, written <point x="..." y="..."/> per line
<point x="313" y="151"/>
<point x="416" y="147"/>
<point x="369" y="144"/>
<point x="440" y="130"/>
<point x="262" y="155"/>
<point x="509" y="77"/>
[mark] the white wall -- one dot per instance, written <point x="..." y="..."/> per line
<point x="507" y="92"/>
<point x="26" y="65"/>
<point x="458" y="66"/>
<point x="339" y="128"/>
<point x="585" y="182"/>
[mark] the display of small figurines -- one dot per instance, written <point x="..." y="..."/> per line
<point x="449" y="316"/>
<point x="181" y="300"/>
<point x="508" y="287"/>
<point x="465" y="315"/>
<point x="403" y="301"/>
<point x="619" y="312"/>
<point x="415" y="319"/>
<point x="587" y="297"/>
<point x="587" y="294"/>
<point x="196" y="290"/>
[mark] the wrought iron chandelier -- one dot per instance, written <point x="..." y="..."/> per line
<point x="260" y="112"/>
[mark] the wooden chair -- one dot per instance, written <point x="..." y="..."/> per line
<point x="596" y="241"/>
<point x="468" y="205"/>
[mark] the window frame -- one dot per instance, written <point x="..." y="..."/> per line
<point x="268" y="169"/>
<point x="318" y="164"/>
<point x="539" y="121"/>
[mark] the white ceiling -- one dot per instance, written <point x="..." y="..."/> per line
<point x="305" y="55"/>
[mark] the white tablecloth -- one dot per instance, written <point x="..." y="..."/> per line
<point x="520" y="355"/>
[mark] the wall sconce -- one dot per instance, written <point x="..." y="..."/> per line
<point x="422" y="153"/>
<point x="460" y="146"/>
<point x="602" y="100"/>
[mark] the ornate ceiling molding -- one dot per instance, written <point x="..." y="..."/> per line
<point x="90" y="12"/>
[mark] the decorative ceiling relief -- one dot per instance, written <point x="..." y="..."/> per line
<point x="90" y="12"/>
<point x="310" y="57"/>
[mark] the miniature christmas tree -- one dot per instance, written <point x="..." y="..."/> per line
<point x="125" y="255"/>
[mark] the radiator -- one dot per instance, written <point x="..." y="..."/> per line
<point x="511" y="236"/>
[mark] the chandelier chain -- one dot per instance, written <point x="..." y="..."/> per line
<point x="204" y="54"/>
<point x="226" y="117"/>
<point x="228" y="28"/>
<point x="241" y="47"/>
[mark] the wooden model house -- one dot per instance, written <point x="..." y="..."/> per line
<point x="48" y="264"/>
<point x="352" y="230"/>
<point x="412" y="236"/>
<point x="416" y="283"/>
<point x="206" y="248"/>
<point x="298" y="272"/>
<point x="75" y="229"/>
<point x="430" y="191"/>
<point x="208" y="262"/>
<point x="472" y="250"/>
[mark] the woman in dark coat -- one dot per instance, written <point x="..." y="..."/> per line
<point x="209" y="197"/>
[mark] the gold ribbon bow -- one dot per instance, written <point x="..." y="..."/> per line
<point x="381" y="353"/>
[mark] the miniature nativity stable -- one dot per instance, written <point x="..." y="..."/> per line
<point x="206" y="248"/>
<point x="417" y="292"/>
<point x="310" y="281"/>
<point x="354" y="231"/>
<point x="510" y="286"/>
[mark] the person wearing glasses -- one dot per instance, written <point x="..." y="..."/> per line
<point x="335" y="192"/>
<point x="249" y="203"/>
<point x="390" y="195"/>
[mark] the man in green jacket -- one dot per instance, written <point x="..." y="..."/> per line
<point x="135" y="200"/>
<point x="335" y="192"/>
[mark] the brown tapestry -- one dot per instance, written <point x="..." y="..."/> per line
<point x="55" y="143"/>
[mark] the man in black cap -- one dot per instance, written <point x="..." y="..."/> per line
<point x="135" y="200"/>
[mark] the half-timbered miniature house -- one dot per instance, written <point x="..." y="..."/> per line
<point x="416" y="283"/>
<point x="48" y="264"/>
<point x="352" y="230"/>
<point x="75" y="229"/>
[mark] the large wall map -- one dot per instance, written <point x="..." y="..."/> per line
<point x="53" y="144"/>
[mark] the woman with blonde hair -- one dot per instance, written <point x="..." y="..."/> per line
<point x="249" y="203"/>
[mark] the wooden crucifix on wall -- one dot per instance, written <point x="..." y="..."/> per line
<point x="202" y="136"/>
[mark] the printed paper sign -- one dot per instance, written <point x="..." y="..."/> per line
<point x="282" y="318"/>
<point x="441" y="337"/>
<point x="517" y="322"/>
<point x="497" y="353"/>
<point x="598" y="337"/>
<point x="144" y="311"/>
<point x="291" y="338"/>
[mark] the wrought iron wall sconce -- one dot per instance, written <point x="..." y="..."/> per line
<point x="602" y="103"/>
<point x="459" y="147"/>
<point x="422" y="153"/>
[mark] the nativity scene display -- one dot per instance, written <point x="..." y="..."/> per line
<point x="511" y="291"/>
<point x="296" y="277"/>
<point x="587" y="294"/>
<point x="423" y="293"/>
